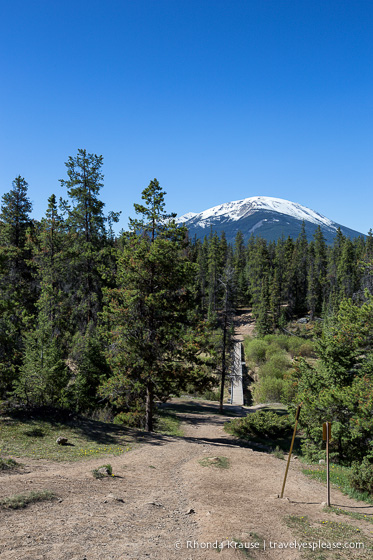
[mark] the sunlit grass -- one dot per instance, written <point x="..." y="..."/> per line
<point x="339" y="478"/>
<point x="36" y="438"/>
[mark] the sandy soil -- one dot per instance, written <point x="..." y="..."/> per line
<point x="161" y="499"/>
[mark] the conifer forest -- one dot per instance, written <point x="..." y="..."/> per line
<point x="93" y="320"/>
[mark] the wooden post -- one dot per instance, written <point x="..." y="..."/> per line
<point x="291" y="449"/>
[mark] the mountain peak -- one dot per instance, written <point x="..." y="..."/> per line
<point x="267" y="216"/>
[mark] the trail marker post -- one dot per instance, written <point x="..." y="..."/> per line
<point x="291" y="448"/>
<point x="326" y="436"/>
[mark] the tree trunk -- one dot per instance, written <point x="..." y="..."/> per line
<point x="149" y="408"/>
<point x="223" y="365"/>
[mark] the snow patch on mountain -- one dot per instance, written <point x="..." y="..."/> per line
<point x="233" y="211"/>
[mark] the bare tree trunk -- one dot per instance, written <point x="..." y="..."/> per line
<point x="223" y="364"/>
<point x="149" y="407"/>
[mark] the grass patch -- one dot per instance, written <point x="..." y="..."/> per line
<point x="168" y="424"/>
<point x="18" y="501"/>
<point x="35" y="436"/>
<point x="328" y="533"/>
<point x="217" y="462"/>
<point x="8" y="464"/>
<point x="278" y="453"/>
<point x="353" y="514"/>
<point x="103" y="471"/>
<point x="339" y="478"/>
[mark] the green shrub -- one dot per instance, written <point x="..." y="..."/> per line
<point x="361" y="476"/>
<point x="133" y="419"/>
<point x="268" y="389"/>
<point x="272" y="349"/>
<point x="255" y="350"/>
<point x="210" y="395"/>
<point x="295" y="343"/>
<point x="280" y="340"/>
<point x="263" y="424"/>
<point x="306" y="350"/>
<point x="276" y="366"/>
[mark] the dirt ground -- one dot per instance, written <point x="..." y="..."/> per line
<point x="162" y="503"/>
<point x="244" y="324"/>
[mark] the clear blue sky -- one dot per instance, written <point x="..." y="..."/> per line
<point x="218" y="99"/>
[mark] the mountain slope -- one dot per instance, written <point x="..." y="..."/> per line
<point x="263" y="216"/>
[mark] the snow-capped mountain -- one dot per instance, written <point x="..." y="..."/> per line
<point x="264" y="216"/>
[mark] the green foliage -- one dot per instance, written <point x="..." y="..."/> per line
<point x="361" y="477"/>
<point x="89" y="372"/>
<point x="264" y="424"/>
<point x="155" y="338"/>
<point x="133" y="419"/>
<point x="275" y="366"/>
<point x="255" y="350"/>
<point x="269" y="390"/>
<point x="43" y="374"/>
<point x="339" y="388"/>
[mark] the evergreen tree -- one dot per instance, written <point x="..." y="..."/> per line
<point x="17" y="288"/>
<point x="86" y="224"/>
<point x="153" y="337"/>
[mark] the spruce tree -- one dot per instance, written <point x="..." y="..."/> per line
<point x="17" y="286"/>
<point x="154" y="332"/>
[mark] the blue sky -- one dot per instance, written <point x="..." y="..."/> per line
<point x="218" y="99"/>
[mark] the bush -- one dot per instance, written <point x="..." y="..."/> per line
<point x="361" y="476"/>
<point x="211" y="395"/>
<point x="294" y="344"/>
<point x="276" y="366"/>
<point x="269" y="389"/>
<point x="255" y="350"/>
<point x="280" y="340"/>
<point x="262" y="424"/>
<point x="306" y="350"/>
<point x="132" y="419"/>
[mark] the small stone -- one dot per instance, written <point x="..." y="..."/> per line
<point x="157" y="504"/>
<point x="189" y="511"/>
<point x="322" y="462"/>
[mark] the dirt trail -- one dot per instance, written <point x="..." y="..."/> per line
<point x="145" y="508"/>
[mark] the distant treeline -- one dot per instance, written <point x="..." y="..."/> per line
<point x="284" y="279"/>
